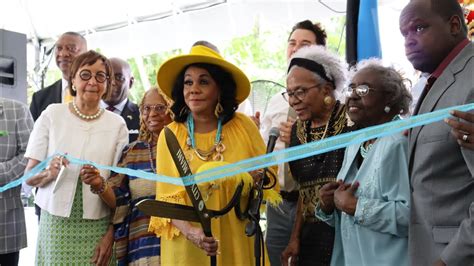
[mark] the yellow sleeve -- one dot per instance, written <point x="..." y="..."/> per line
<point x="257" y="146"/>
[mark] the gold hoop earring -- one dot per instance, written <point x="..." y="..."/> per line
<point x="327" y="100"/>
<point x="219" y="109"/>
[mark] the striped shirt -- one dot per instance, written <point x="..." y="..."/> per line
<point x="134" y="244"/>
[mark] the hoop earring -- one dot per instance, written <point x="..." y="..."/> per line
<point x="183" y="111"/>
<point x="387" y="109"/>
<point x="219" y="109"/>
<point x="327" y="100"/>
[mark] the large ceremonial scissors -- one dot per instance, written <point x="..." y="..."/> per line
<point x="198" y="212"/>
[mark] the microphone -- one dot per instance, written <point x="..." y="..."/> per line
<point x="256" y="198"/>
<point x="272" y="137"/>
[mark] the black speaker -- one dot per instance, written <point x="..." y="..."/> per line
<point x="13" y="83"/>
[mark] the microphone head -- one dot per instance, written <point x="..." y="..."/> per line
<point x="275" y="132"/>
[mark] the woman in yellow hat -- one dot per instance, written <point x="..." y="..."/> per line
<point x="206" y="91"/>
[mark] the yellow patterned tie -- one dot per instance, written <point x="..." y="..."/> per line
<point x="68" y="97"/>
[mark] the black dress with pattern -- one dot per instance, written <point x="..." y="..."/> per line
<point x="311" y="173"/>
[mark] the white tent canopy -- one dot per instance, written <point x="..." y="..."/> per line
<point x="134" y="28"/>
<point x="131" y="28"/>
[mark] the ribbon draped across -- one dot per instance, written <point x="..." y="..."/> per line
<point x="278" y="157"/>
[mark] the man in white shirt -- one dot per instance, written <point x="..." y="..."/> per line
<point x="118" y="101"/>
<point x="68" y="46"/>
<point x="280" y="220"/>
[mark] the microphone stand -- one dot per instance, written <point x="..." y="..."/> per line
<point x="253" y="227"/>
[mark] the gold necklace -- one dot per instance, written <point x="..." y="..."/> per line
<point x="215" y="153"/>
<point x="217" y="148"/>
<point x="302" y="131"/>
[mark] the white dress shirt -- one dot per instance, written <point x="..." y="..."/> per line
<point x="277" y="112"/>
<point x="118" y="107"/>
<point x="64" y="88"/>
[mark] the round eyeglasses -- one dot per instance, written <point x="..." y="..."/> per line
<point x="100" y="76"/>
<point x="119" y="77"/>
<point x="299" y="93"/>
<point x="158" y="108"/>
<point x="361" y="90"/>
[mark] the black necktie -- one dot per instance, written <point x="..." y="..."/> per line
<point x="110" y="108"/>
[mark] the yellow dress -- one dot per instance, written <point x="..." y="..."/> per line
<point x="242" y="140"/>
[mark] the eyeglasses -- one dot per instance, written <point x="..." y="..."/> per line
<point x="361" y="90"/>
<point x="119" y="77"/>
<point x="158" y="108"/>
<point x="299" y="93"/>
<point x="100" y="76"/>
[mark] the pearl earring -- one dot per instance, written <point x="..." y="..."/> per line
<point x="73" y="88"/>
<point x="387" y="109"/>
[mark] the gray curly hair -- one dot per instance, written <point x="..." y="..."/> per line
<point x="394" y="83"/>
<point x="334" y="70"/>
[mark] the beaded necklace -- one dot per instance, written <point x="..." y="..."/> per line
<point x="217" y="148"/>
<point x="150" y="157"/>
<point x="365" y="150"/>
<point x="86" y="117"/>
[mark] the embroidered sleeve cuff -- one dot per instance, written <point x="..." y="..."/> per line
<point x="363" y="210"/>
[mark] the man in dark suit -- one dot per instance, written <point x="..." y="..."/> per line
<point x="441" y="171"/>
<point x="118" y="101"/>
<point x="68" y="46"/>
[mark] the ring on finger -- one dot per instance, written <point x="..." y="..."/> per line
<point x="464" y="137"/>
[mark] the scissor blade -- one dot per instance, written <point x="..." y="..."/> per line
<point x="168" y="210"/>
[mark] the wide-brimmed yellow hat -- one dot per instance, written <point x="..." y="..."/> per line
<point x="170" y="70"/>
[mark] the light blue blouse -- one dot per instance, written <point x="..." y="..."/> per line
<point x="377" y="234"/>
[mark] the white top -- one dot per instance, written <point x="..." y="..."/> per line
<point x="100" y="141"/>
<point x="277" y="112"/>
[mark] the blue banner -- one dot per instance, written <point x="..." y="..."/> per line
<point x="368" y="36"/>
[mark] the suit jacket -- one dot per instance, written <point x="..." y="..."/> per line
<point x="442" y="174"/>
<point x="16" y="120"/>
<point x="131" y="115"/>
<point x="44" y="97"/>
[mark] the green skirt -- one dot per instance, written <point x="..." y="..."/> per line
<point x="69" y="241"/>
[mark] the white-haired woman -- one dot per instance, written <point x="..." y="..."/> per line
<point x="371" y="202"/>
<point x="314" y="82"/>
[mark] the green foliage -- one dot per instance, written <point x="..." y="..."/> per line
<point x="336" y="40"/>
<point x="151" y="64"/>
<point x="258" y="56"/>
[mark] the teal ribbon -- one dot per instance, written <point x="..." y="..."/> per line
<point x="274" y="158"/>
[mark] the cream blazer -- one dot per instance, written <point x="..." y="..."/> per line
<point x="100" y="141"/>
